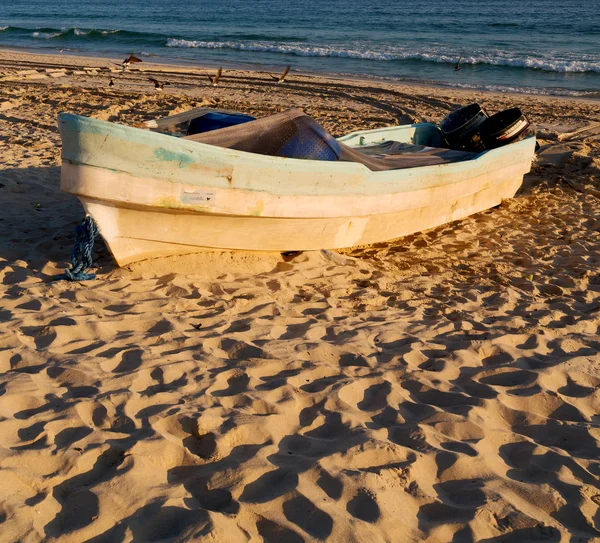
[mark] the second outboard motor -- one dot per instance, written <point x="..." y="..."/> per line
<point x="503" y="127"/>
<point x="461" y="128"/>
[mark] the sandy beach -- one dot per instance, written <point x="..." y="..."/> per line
<point x="443" y="387"/>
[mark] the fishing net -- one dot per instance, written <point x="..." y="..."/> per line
<point x="293" y="134"/>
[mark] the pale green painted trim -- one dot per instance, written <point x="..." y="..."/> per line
<point x="143" y="153"/>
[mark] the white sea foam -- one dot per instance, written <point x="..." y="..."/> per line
<point x="525" y="90"/>
<point x="3" y="28"/>
<point x="550" y="65"/>
<point x="285" y="48"/>
<point x="585" y="64"/>
<point x="46" y="35"/>
<point x="76" y="32"/>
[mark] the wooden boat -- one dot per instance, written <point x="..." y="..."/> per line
<point x="153" y="194"/>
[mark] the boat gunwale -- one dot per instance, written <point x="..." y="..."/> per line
<point x="384" y="182"/>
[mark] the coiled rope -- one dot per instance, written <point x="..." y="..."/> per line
<point x="81" y="257"/>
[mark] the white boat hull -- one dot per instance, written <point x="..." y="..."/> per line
<point x="143" y="216"/>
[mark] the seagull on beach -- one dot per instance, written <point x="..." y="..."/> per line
<point x="282" y="77"/>
<point x="215" y="80"/>
<point x="111" y="83"/>
<point x="157" y="84"/>
<point x="130" y="60"/>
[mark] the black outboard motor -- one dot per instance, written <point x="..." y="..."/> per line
<point x="503" y="127"/>
<point x="461" y="128"/>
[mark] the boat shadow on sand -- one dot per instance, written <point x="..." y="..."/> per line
<point x="37" y="226"/>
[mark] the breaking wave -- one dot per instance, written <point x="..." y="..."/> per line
<point x="46" y="35"/>
<point x="391" y="54"/>
<point x="84" y="34"/>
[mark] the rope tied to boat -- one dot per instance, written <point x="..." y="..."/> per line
<point x="81" y="257"/>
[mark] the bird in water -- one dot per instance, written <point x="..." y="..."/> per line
<point x="157" y="84"/>
<point x="282" y="77"/>
<point x="111" y="83"/>
<point x="130" y="60"/>
<point x="215" y="80"/>
<point x="457" y="65"/>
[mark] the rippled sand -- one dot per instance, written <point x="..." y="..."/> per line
<point x="441" y="387"/>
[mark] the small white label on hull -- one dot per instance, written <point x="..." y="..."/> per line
<point x="194" y="197"/>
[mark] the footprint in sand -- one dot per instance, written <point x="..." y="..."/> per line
<point x="348" y="360"/>
<point x="94" y="415"/>
<point x="186" y="432"/>
<point x="69" y="436"/>
<point x="375" y="397"/>
<point x="296" y="331"/>
<point x="203" y="490"/>
<point x="18" y="275"/>
<point x="438" y="398"/>
<point x="474" y="388"/>
<point x="198" y="442"/>
<point x="492" y="355"/>
<point x="130" y="361"/>
<point x="315" y="378"/>
<point x="272" y="382"/>
<point x="79" y="384"/>
<point x="444" y="460"/>
<point x="330" y="485"/>
<point x="364" y="506"/>
<point x="79" y="504"/>
<point x="161" y="327"/>
<point x="30" y="433"/>
<point x="509" y="378"/>
<point x="43" y="336"/>
<point x="237" y="382"/>
<point x="573" y="389"/>
<point x="26" y="365"/>
<point x="5" y="315"/>
<point x="305" y="514"/>
<point x="271" y="532"/>
<point x="157" y="522"/>
<point x="575" y="440"/>
<point x="32" y="305"/>
<point x="202" y="445"/>
<point x="458" y="502"/>
<point x="321" y="383"/>
<point x="517" y="455"/>
<point x="34" y="500"/>
<point x="270" y="486"/>
<point x="410" y="436"/>
<point x="241" y="325"/>
<point x="366" y="395"/>
<point x="274" y="285"/>
<point x="459" y="447"/>
<point x="239" y="350"/>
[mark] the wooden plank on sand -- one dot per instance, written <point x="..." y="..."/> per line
<point x="572" y="135"/>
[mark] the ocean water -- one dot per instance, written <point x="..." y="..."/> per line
<point x="534" y="46"/>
